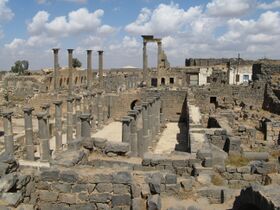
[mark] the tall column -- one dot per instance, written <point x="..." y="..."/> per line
<point x="89" y="69"/>
<point x="145" y="125"/>
<point x="55" y="72"/>
<point x="8" y="132"/>
<point x="43" y="137"/>
<point x="157" y="115"/>
<point x="126" y="129"/>
<point x="150" y="121"/>
<point x="28" y="133"/>
<point x="139" y="126"/>
<point x="100" y="68"/>
<point x="85" y="125"/>
<point x="58" y="124"/>
<point x="105" y="110"/>
<point x="46" y="108"/>
<point x="162" y="120"/>
<point x="99" y="110"/>
<point x="133" y="132"/>
<point x="145" y="63"/>
<point x="92" y="111"/>
<point x="78" y="114"/>
<point x="70" y="119"/>
<point x="159" y="53"/>
<point x="70" y="70"/>
<point x="85" y="103"/>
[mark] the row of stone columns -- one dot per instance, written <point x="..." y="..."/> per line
<point x="83" y="122"/>
<point x="142" y="125"/>
<point x="70" y="71"/>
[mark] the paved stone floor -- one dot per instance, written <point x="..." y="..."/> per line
<point x="170" y="137"/>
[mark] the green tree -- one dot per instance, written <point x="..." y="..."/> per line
<point x="20" y="67"/>
<point x="76" y="63"/>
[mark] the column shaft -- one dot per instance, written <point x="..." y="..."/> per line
<point x="58" y="125"/>
<point x="70" y="71"/>
<point x="70" y="119"/>
<point x="55" y="72"/>
<point x="100" y="68"/>
<point x="43" y="137"/>
<point x="78" y="114"/>
<point x="8" y="133"/>
<point x="89" y="69"/>
<point x="28" y="133"/>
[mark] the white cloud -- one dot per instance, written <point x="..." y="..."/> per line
<point x="6" y="13"/>
<point x="230" y="8"/>
<point x="272" y="5"/>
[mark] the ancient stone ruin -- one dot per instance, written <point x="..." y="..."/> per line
<point x="203" y="136"/>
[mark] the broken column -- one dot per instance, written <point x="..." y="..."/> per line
<point x="139" y="127"/>
<point x="46" y="108"/>
<point x="162" y="120"/>
<point x="89" y="69"/>
<point x="55" y="72"/>
<point x="69" y="119"/>
<point x="58" y="124"/>
<point x="100" y="68"/>
<point x="126" y="129"/>
<point x="99" y="109"/>
<point x="28" y="133"/>
<point x="70" y="70"/>
<point x="133" y="132"/>
<point x="43" y="136"/>
<point x="8" y="132"/>
<point x="145" y="125"/>
<point x="78" y="113"/>
<point x="159" y="53"/>
<point x="85" y="125"/>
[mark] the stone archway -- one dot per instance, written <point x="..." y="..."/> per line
<point x="134" y="103"/>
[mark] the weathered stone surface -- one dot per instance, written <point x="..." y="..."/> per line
<point x="50" y="175"/>
<point x="68" y="176"/>
<point x="11" y="199"/>
<point x="171" y="179"/>
<point x="79" y="188"/>
<point x="154" y="202"/>
<point x="154" y="184"/>
<point x="67" y="198"/>
<point x="138" y="204"/>
<point x="100" y="198"/>
<point x="136" y="190"/>
<point x="121" y="189"/>
<point x="64" y="188"/>
<point x="70" y="158"/>
<point x="100" y="178"/>
<point x="172" y="189"/>
<point x="187" y="184"/>
<point x="122" y="177"/>
<point x="7" y="182"/>
<point x="104" y="187"/>
<point x="121" y="200"/>
<point x="99" y="142"/>
<point x="103" y="206"/>
<point x="48" y="196"/>
<point x="244" y="169"/>
<point x="117" y="148"/>
<point x="88" y="206"/>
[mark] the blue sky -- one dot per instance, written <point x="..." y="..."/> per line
<point x="29" y="29"/>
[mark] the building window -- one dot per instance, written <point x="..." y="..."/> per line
<point x="171" y="80"/>
<point x="245" y="78"/>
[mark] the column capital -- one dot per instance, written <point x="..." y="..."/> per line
<point x="41" y="115"/>
<point x="45" y="106"/>
<point x="70" y="99"/>
<point x="85" y="116"/>
<point x="100" y="52"/>
<point x="7" y="113"/>
<point x="57" y="102"/>
<point x="144" y="104"/>
<point x="70" y="50"/>
<point x="89" y="51"/>
<point x="55" y="50"/>
<point x="27" y="109"/>
<point x="78" y="98"/>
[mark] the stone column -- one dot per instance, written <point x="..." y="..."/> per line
<point x="100" y="68"/>
<point x="43" y="137"/>
<point x="159" y="53"/>
<point x="58" y="124"/>
<point x="150" y="121"/>
<point x="28" y="133"/>
<point x="55" y="70"/>
<point x="133" y="133"/>
<point x="105" y="110"/>
<point x="99" y="110"/>
<point x="145" y="62"/>
<point x="162" y="120"/>
<point x="78" y="113"/>
<point x="89" y="69"/>
<point x="126" y="129"/>
<point x="46" y="108"/>
<point x="8" y="132"/>
<point x="85" y="103"/>
<point x="69" y="119"/>
<point x="139" y="126"/>
<point x="145" y="125"/>
<point x="92" y="111"/>
<point x="70" y="70"/>
<point x="85" y="125"/>
<point x="157" y="115"/>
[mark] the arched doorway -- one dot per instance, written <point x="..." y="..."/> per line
<point x="154" y="82"/>
<point x="162" y="81"/>
<point x="135" y="103"/>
